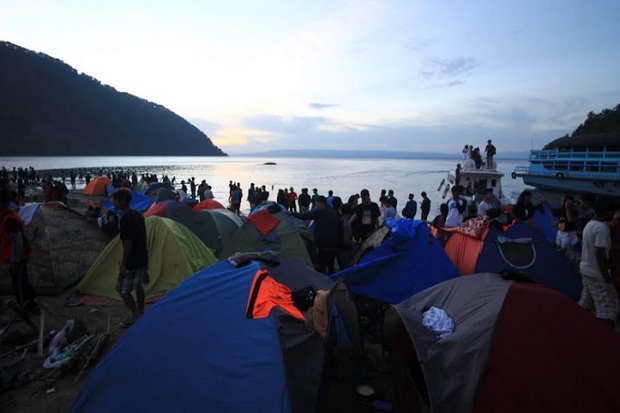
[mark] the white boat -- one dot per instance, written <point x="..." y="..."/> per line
<point x="575" y="165"/>
<point x="476" y="180"/>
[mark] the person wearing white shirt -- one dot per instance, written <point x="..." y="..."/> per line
<point x="598" y="293"/>
<point x="456" y="207"/>
<point x="486" y="203"/>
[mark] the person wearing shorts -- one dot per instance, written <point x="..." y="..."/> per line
<point x="598" y="293"/>
<point x="133" y="273"/>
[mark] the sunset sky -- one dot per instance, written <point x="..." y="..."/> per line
<point x="429" y="75"/>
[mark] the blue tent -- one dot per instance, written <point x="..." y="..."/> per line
<point x="195" y="350"/>
<point x="139" y="202"/>
<point x="408" y="262"/>
<point x="546" y="222"/>
<point x="526" y="251"/>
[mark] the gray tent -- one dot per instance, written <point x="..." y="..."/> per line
<point x="64" y="243"/>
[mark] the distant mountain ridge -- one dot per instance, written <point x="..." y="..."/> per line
<point x="48" y="109"/>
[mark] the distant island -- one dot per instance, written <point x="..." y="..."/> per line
<point x="47" y="108"/>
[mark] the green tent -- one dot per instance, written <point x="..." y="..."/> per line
<point x="288" y="238"/>
<point x="175" y="253"/>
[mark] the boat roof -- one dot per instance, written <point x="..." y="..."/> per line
<point x="609" y="140"/>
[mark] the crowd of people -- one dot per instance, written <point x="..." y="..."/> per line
<point x="588" y="229"/>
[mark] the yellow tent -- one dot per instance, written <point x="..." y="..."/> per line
<point x="175" y="254"/>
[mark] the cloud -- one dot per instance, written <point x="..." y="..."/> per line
<point x="317" y="105"/>
<point x="448" y="68"/>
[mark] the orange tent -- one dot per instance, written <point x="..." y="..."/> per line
<point x="98" y="186"/>
<point x="208" y="204"/>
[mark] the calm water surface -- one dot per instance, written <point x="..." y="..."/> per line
<point x="343" y="176"/>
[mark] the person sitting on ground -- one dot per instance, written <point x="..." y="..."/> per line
<point x="524" y="210"/>
<point x="133" y="273"/>
<point x="563" y="237"/>
<point x="439" y="222"/>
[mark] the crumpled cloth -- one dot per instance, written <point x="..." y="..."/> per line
<point x="241" y="259"/>
<point x="438" y="321"/>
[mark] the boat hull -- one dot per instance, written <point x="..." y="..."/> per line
<point x="552" y="183"/>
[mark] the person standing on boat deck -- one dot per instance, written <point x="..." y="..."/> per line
<point x="133" y="273"/>
<point x="598" y="293"/>
<point x="425" y="207"/>
<point x="368" y="213"/>
<point x="465" y="152"/>
<point x="456" y="208"/>
<point x="457" y="174"/>
<point x="490" y="150"/>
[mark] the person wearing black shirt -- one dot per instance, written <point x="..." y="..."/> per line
<point x="368" y="214"/>
<point x="327" y="234"/>
<point x="133" y="273"/>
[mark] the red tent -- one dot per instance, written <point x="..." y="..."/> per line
<point x="515" y="347"/>
<point x="208" y="204"/>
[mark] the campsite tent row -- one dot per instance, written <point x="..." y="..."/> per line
<point x="515" y="346"/>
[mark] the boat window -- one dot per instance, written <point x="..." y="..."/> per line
<point x="493" y="183"/>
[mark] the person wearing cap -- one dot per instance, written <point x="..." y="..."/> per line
<point x="490" y="150"/>
<point x="366" y="215"/>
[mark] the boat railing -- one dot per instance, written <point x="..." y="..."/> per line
<point x="521" y="170"/>
<point x="550" y="154"/>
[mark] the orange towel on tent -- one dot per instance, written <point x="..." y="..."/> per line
<point x="267" y="293"/>
<point x="464" y="251"/>
<point x="263" y="221"/>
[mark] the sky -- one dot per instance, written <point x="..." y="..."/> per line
<point x="411" y="75"/>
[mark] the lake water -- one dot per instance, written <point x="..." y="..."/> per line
<point x="343" y="176"/>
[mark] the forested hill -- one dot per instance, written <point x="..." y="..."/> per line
<point x="47" y="108"/>
<point x="608" y="121"/>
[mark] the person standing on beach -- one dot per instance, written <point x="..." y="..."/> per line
<point x="15" y="251"/>
<point x="133" y="273"/>
<point x="425" y="207"/>
<point x="327" y="233"/>
<point x="411" y="208"/>
<point x="368" y="214"/>
<point x="598" y="293"/>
